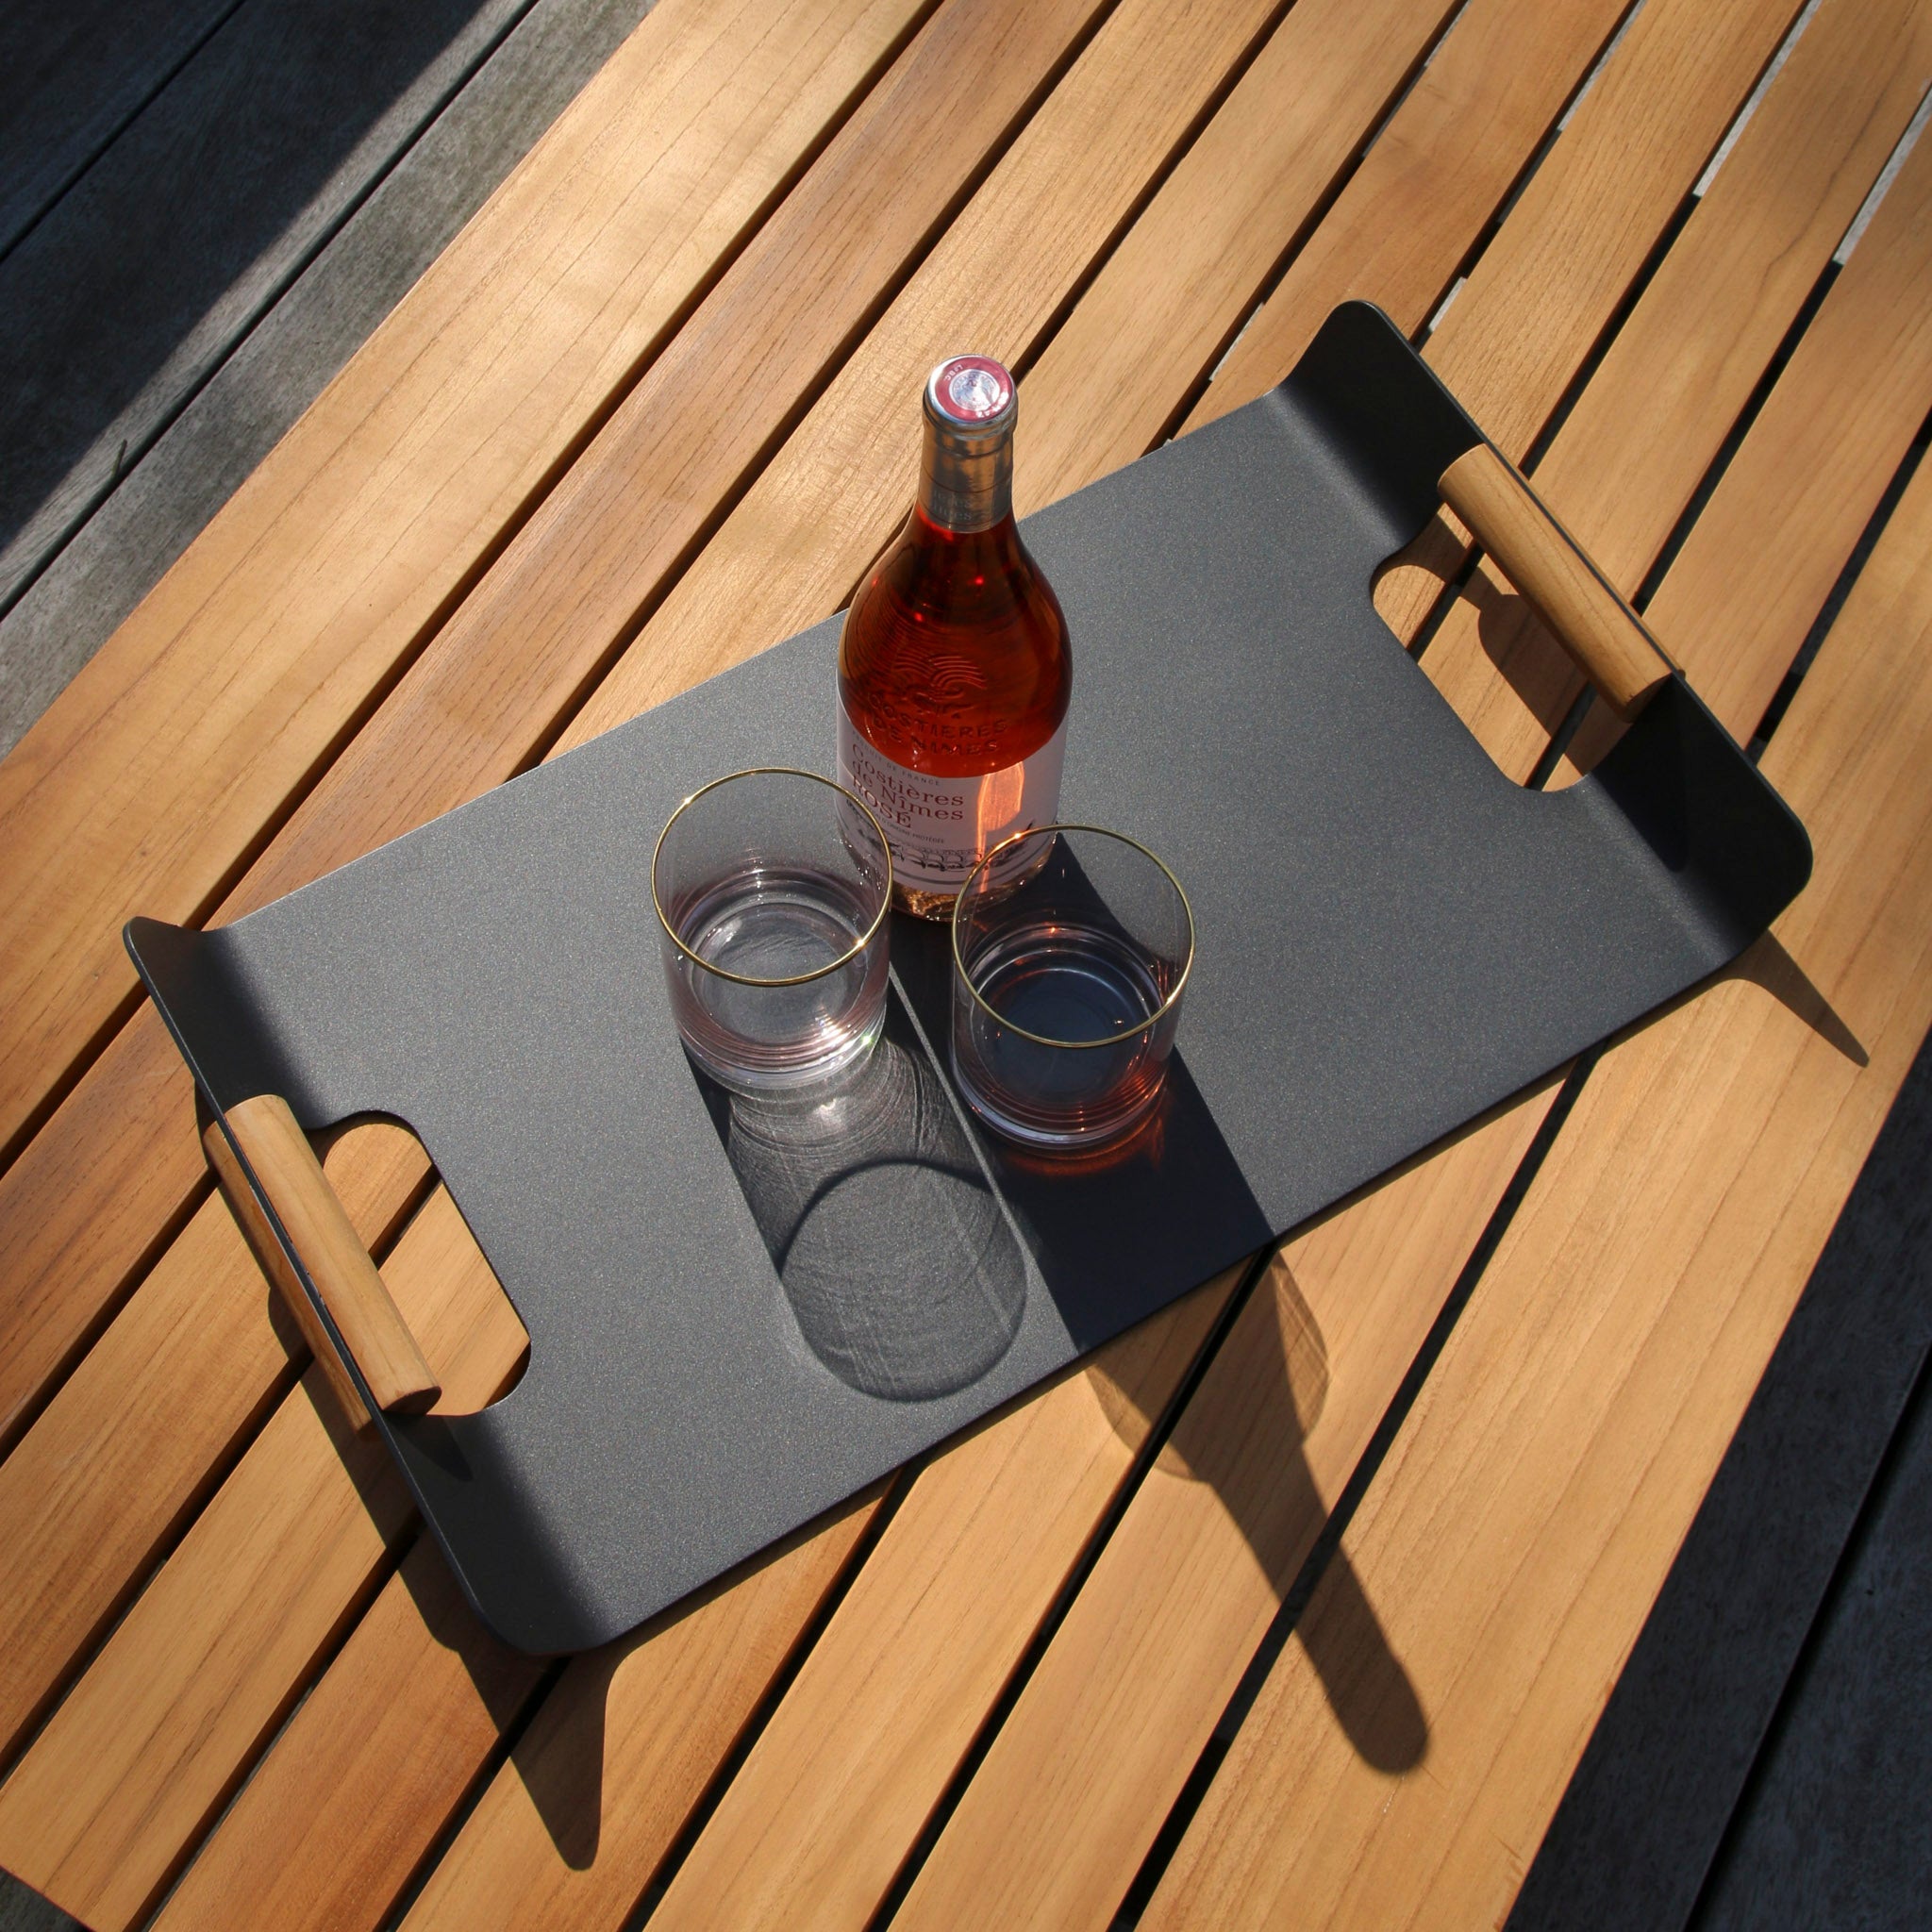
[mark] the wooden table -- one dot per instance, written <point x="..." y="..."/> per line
<point x="651" y="411"/>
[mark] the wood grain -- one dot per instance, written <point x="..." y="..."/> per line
<point x="1529" y="1511"/>
<point x="1823" y="448"/>
<point x="1588" y="619"/>
<point x="145" y="1428"/>
<point x="112" y="1795"/>
<point x="297" y="1849"/>
<point x="1411" y="213"/>
<point x="821" y="508"/>
<point x="1084" y="1771"/>
<point x="490" y="685"/>
<point x="1553" y="275"/>
<point x="1634" y="448"/>
<point x="448" y="1699"/>
<point x="327" y="1249"/>
<point x="146" y="1747"/>
<point x="1189" y="268"/>
<point x="155" y="775"/>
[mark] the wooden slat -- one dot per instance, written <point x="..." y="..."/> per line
<point x="419" y="1697"/>
<point x="1411" y="213"/>
<point x="1138" y="45"/>
<point x="973" y="1522"/>
<point x="91" y="1492"/>
<point x="1201" y="252"/>
<point x="1704" y="58"/>
<point x="1530" y="1508"/>
<point x="1823" y="448"/>
<point x="1086" y="1767"/>
<point x="1634" y="448"/>
<point x="149" y="782"/>
<point x="87" y="1196"/>
<point x="108" y="1801"/>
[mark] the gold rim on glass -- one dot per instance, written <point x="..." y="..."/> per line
<point x="1152" y="1019"/>
<point x="852" y="952"/>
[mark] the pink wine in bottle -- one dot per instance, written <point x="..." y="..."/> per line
<point x="954" y="673"/>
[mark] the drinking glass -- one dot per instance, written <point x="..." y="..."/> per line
<point x="1071" y="949"/>
<point x="771" y="888"/>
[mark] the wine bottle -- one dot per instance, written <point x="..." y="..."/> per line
<point x="953" y="671"/>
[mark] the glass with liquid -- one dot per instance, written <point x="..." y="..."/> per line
<point x="771" y="889"/>
<point x="1071" y="949"/>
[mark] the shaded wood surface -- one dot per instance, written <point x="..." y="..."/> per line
<point x="131" y="287"/>
<point x="1017" y="1683"/>
<point x="1655" y="1800"/>
<point x="268" y="376"/>
<point x="74" y="77"/>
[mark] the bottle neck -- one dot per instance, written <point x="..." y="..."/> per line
<point x="966" y="478"/>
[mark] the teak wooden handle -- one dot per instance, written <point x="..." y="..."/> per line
<point x="1594" y="624"/>
<point x="332" y="1255"/>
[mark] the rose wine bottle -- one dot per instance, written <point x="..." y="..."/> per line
<point x="954" y="673"/>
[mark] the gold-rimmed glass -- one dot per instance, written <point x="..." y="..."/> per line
<point x="771" y="888"/>
<point x="1072" y="946"/>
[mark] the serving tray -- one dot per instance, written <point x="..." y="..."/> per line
<point x="741" y="1314"/>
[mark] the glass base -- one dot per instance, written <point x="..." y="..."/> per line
<point x="1071" y="1139"/>
<point x="764" y="1083"/>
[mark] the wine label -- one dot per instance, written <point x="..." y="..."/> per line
<point x="941" y="828"/>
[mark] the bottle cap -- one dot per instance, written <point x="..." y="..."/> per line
<point x="973" y="394"/>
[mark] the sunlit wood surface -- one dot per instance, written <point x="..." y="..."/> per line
<point x="650" y="414"/>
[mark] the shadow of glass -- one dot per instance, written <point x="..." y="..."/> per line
<point x="900" y="1266"/>
<point x="885" y="1170"/>
<point x="1110" y="1232"/>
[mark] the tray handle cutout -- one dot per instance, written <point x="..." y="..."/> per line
<point x="1534" y="551"/>
<point x="331" y="1255"/>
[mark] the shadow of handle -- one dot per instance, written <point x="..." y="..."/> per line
<point x="1534" y="551"/>
<point x="293" y="1221"/>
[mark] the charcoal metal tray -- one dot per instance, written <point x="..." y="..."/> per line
<point x="739" y="1316"/>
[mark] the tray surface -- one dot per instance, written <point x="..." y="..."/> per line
<point x="739" y="1315"/>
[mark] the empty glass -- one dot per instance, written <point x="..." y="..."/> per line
<point x="771" y="888"/>
<point x="1071" y="949"/>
